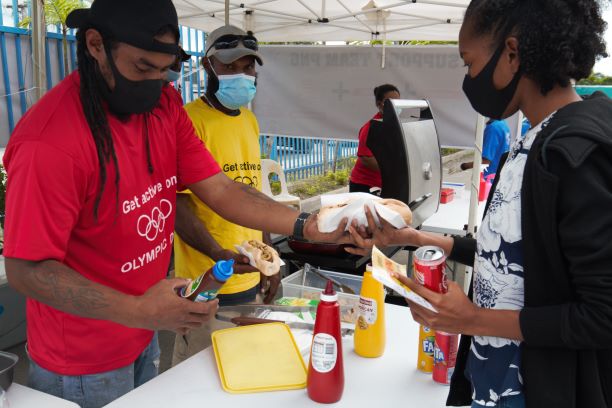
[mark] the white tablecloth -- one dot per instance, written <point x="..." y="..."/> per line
<point x="24" y="397"/>
<point x="391" y="380"/>
<point x="452" y="217"/>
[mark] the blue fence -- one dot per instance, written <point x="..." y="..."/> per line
<point x="300" y="157"/>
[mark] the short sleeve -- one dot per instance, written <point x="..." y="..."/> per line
<point x="362" y="149"/>
<point x="45" y="194"/>
<point x="194" y="161"/>
<point x="491" y="141"/>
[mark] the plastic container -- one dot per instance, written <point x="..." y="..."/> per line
<point x="205" y="288"/>
<point x="447" y="195"/>
<point x="482" y="188"/>
<point x="308" y="285"/>
<point x="277" y="364"/>
<point x="370" y="330"/>
<point x="325" y="382"/>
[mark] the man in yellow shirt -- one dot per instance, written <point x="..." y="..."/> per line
<point x="231" y="133"/>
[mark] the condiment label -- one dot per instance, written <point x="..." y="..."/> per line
<point x="368" y="310"/>
<point x="324" y="352"/>
<point x="206" y="295"/>
<point x="191" y="287"/>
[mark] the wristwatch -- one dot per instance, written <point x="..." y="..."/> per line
<point x="298" y="227"/>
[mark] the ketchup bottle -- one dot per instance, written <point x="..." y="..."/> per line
<point x="325" y="370"/>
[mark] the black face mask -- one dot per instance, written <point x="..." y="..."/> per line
<point x="481" y="92"/>
<point x="130" y="96"/>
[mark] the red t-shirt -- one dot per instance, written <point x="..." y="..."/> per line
<point x="361" y="174"/>
<point x="53" y="179"/>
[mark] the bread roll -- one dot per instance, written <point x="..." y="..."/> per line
<point x="399" y="207"/>
<point x="266" y="258"/>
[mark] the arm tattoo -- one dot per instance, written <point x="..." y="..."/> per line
<point x="73" y="294"/>
<point x="257" y="197"/>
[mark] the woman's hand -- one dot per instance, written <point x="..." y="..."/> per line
<point x="385" y="235"/>
<point x="456" y="312"/>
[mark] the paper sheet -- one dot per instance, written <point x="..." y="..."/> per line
<point x="381" y="271"/>
<point x="242" y="251"/>
<point x="355" y="210"/>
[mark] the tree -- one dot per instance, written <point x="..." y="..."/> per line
<point x="56" y="12"/>
<point x="596" y="78"/>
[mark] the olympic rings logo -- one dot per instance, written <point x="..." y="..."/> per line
<point x="252" y="182"/>
<point x="151" y="227"/>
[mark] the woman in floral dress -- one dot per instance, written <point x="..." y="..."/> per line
<point x="537" y="324"/>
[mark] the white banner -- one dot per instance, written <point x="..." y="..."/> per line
<point x="328" y="91"/>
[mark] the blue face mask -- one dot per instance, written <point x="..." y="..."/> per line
<point x="173" y="76"/>
<point x="235" y="90"/>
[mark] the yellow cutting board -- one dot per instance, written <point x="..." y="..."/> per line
<point x="258" y="358"/>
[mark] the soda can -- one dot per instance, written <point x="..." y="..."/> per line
<point x="430" y="268"/>
<point x="425" y="359"/>
<point x="445" y="357"/>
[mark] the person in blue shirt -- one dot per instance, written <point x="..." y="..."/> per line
<point x="496" y="142"/>
<point x="525" y="126"/>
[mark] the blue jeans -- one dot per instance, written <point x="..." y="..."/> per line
<point x="97" y="390"/>
<point x="516" y="401"/>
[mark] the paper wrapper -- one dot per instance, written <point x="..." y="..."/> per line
<point x="355" y="210"/>
<point x="242" y="251"/>
<point x="381" y="271"/>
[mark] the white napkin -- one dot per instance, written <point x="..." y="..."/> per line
<point x="355" y="210"/>
<point x="242" y="251"/>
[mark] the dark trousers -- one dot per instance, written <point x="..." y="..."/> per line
<point x="358" y="188"/>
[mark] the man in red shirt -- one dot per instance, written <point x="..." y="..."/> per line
<point x="366" y="174"/>
<point x="93" y="172"/>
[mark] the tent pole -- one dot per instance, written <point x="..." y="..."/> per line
<point x="480" y="124"/>
<point x="475" y="185"/>
<point x="227" y="10"/>
<point x="38" y="49"/>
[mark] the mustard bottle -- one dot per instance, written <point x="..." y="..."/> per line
<point x="370" y="329"/>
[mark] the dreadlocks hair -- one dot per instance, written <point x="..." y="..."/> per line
<point x="95" y="115"/>
<point x="91" y="99"/>
<point x="559" y="40"/>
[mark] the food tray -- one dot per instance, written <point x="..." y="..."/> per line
<point x="258" y="358"/>
<point x="308" y="285"/>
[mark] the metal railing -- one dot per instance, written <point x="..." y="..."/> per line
<point x="300" y="157"/>
<point x="304" y="157"/>
<point x="16" y="67"/>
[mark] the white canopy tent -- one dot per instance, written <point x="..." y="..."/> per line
<point x="340" y="20"/>
<point x="319" y="20"/>
<point x="330" y="20"/>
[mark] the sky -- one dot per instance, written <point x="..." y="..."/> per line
<point x="605" y="65"/>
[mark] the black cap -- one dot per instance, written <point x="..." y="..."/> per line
<point x="135" y="22"/>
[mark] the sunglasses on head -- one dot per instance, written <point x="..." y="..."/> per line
<point x="231" y="41"/>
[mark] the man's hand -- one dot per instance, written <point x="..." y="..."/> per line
<point x="161" y="308"/>
<point x="269" y="287"/>
<point x="312" y="233"/>
<point x="241" y="262"/>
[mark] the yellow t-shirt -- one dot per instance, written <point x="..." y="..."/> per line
<point x="234" y="143"/>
